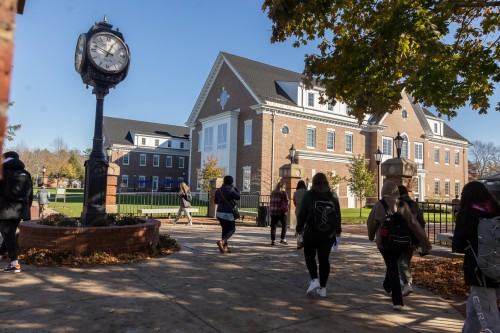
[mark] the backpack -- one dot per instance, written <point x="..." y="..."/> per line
<point x="17" y="186"/>
<point x="322" y="215"/>
<point x="488" y="249"/>
<point x="395" y="231"/>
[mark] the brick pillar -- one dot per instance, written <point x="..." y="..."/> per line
<point x="291" y="174"/>
<point x="112" y="187"/>
<point x="8" y="9"/>
<point x="215" y="183"/>
<point x="400" y="171"/>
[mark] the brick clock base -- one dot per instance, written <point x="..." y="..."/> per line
<point x="123" y="239"/>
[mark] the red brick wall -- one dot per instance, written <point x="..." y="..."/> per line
<point x="124" y="239"/>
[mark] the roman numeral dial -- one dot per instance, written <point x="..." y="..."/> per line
<point x="108" y="52"/>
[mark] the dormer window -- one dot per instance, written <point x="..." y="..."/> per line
<point x="182" y="145"/>
<point x="143" y="141"/>
<point x="310" y="99"/>
<point x="436" y="131"/>
<point x="169" y="144"/>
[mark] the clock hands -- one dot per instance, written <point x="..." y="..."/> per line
<point x="107" y="52"/>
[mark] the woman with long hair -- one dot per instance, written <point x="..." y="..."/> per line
<point x="318" y="241"/>
<point x="185" y="198"/>
<point x="297" y="196"/>
<point x="225" y="199"/>
<point x="476" y="203"/>
<point x="278" y="209"/>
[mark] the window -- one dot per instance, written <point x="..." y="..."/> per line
<point x="387" y="146"/>
<point x="446" y="157"/>
<point x="157" y="142"/>
<point x="246" y="179"/>
<point x="457" y="157"/>
<point x="155" y="183"/>
<point x="169" y="144"/>
<point x="142" y="182"/>
<point x="143" y="141"/>
<point x="181" y="162"/>
<point x="156" y="160"/>
<point x="209" y="136"/>
<point x="168" y="183"/>
<point x="248" y="132"/>
<point x="419" y="151"/>
<point x="348" y="143"/>
<point x="457" y="188"/>
<point x="435" y="128"/>
<point x="124" y="181"/>
<point x="436" y="155"/>
<point x="311" y="137"/>
<point x="329" y="107"/>
<point x="168" y="162"/>
<point x="222" y="136"/>
<point x="125" y="159"/>
<point x="182" y="145"/>
<point x="404" y="147"/>
<point x="200" y="140"/>
<point x="142" y="160"/>
<point x="310" y="99"/>
<point x="330" y="139"/>
<point x="447" y="187"/>
<point x="416" y="188"/>
<point x="436" y="186"/>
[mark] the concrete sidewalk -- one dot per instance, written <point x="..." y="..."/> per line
<point x="257" y="288"/>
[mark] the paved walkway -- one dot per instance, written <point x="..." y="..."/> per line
<point x="257" y="288"/>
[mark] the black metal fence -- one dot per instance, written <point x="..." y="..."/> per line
<point x="439" y="218"/>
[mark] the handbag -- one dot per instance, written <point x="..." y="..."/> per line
<point x="236" y="213"/>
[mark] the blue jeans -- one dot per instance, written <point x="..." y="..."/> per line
<point x="228" y="229"/>
<point x="8" y="230"/>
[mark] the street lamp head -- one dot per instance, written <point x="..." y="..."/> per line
<point x="378" y="156"/>
<point x="109" y="153"/>
<point x="292" y="152"/>
<point x="398" y="141"/>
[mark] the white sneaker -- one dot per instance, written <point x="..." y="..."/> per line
<point x="314" y="284"/>
<point x="173" y="221"/>
<point x="397" y="307"/>
<point x="321" y="292"/>
<point x="407" y="290"/>
<point x="190" y="223"/>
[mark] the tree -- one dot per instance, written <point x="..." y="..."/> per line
<point x="210" y="171"/>
<point x="75" y="170"/>
<point x="484" y="159"/>
<point x="10" y="131"/>
<point x="334" y="180"/>
<point x="446" y="53"/>
<point x="361" y="179"/>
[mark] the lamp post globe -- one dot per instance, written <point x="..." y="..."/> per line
<point x="398" y="141"/>
<point x="292" y="152"/>
<point x="44" y="169"/>
<point x="378" y="159"/>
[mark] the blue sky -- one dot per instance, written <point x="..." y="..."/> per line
<point x="173" y="44"/>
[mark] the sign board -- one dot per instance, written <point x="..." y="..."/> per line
<point x="60" y="194"/>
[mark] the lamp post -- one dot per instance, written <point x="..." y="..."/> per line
<point x="134" y="182"/>
<point x="44" y="169"/>
<point x="398" y="141"/>
<point x="378" y="159"/>
<point x="292" y="151"/>
<point x="109" y="153"/>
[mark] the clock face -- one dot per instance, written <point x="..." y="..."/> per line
<point x="108" y="52"/>
<point x="285" y="130"/>
<point x="80" y="52"/>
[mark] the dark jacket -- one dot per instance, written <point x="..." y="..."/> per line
<point x="225" y="198"/>
<point x="465" y="232"/>
<point x="14" y="210"/>
<point x="322" y="193"/>
<point x="417" y="212"/>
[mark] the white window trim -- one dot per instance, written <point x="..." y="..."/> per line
<point x="457" y="152"/>
<point x="352" y="142"/>
<point x="182" y="165"/>
<point x="157" y="157"/>
<point x="168" y="185"/>
<point x="439" y="155"/>
<point x="330" y="130"/>
<point x="145" y="160"/>
<point x="446" y="150"/>
<point x="141" y="184"/>
<point x="128" y="159"/>
<point x="200" y="140"/>
<point x="415" y="144"/>
<point x="169" y="158"/>
<point x="247" y="122"/>
<point x="123" y="183"/>
<point x="307" y="143"/>
<point x="391" y="140"/>
<point x="155" y="184"/>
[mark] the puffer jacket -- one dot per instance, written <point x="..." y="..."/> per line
<point x="225" y="198"/>
<point x="465" y="232"/>
<point x="377" y="217"/>
<point x="14" y="210"/>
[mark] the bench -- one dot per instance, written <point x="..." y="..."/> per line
<point x="244" y="213"/>
<point x="444" y="237"/>
<point x="150" y="211"/>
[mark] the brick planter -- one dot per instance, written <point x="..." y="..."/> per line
<point x="123" y="239"/>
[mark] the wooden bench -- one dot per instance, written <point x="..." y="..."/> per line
<point x="444" y="237"/>
<point x="150" y="211"/>
<point x="244" y="213"/>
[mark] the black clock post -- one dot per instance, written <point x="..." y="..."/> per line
<point x="102" y="59"/>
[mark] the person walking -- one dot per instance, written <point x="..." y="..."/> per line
<point x="185" y="198"/>
<point x="43" y="201"/>
<point x="297" y="196"/>
<point x="374" y="223"/>
<point x="16" y="198"/>
<point x="319" y="235"/>
<point x="278" y="208"/>
<point x="404" y="261"/>
<point x="476" y="203"/>
<point x="225" y="199"/>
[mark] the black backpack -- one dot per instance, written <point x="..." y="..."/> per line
<point x="395" y="233"/>
<point x="17" y="185"/>
<point x="322" y="215"/>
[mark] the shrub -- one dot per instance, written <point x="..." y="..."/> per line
<point x="61" y="220"/>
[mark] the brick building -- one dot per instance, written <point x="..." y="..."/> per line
<point x="151" y="156"/>
<point x="249" y="114"/>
